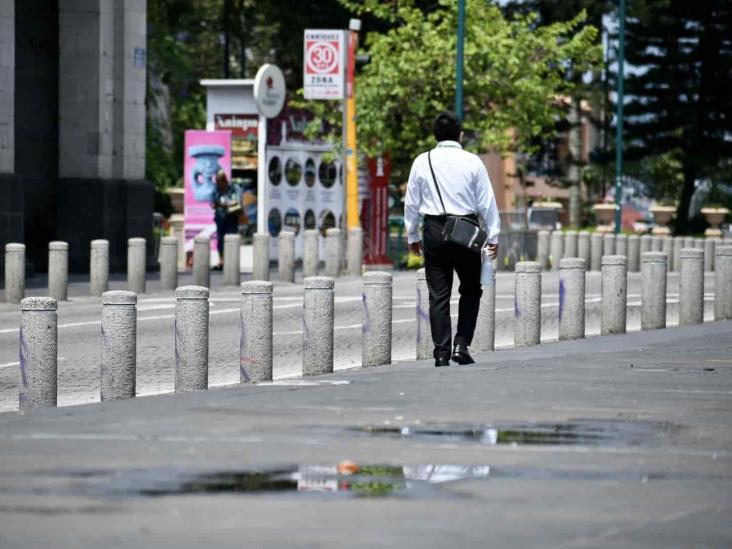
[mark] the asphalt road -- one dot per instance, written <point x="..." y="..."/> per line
<point x="80" y="339"/>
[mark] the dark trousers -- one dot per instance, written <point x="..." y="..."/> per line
<point x="225" y="224"/>
<point x="441" y="259"/>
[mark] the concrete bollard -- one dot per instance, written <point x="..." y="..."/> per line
<point x="99" y="267"/>
<point x="621" y="245"/>
<point x="676" y="259"/>
<point x="608" y="244"/>
<point x="691" y="287"/>
<point x="527" y="304"/>
<point x="38" y="353"/>
<point x="119" y="344"/>
<point x="425" y="346"/>
<point x="136" y="265"/>
<point x="583" y="247"/>
<point x="614" y="281"/>
<point x="542" y="248"/>
<point x="202" y="261"/>
<point x="723" y="281"/>
<point x="311" y="253"/>
<point x="645" y="244"/>
<point x="232" y="249"/>
<point x="634" y="253"/>
<point x="656" y="243"/>
<point x="191" y="338"/>
<point x="286" y="256"/>
<point x="570" y="244"/>
<point x="261" y="256"/>
<point x="168" y="258"/>
<point x="58" y="270"/>
<point x="14" y="272"/>
<point x="376" y="325"/>
<point x="596" y="252"/>
<point x="332" y="252"/>
<point x="355" y="251"/>
<point x="318" y="315"/>
<point x="709" y="245"/>
<point x="571" y="298"/>
<point x="667" y="247"/>
<point x="556" y="250"/>
<point x="485" y="328"/>
<point x="255" y="341"/>
<point x="653" y="290"/>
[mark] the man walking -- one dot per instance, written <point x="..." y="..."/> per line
<point x="465" y="190"/>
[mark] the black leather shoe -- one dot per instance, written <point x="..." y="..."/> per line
<point x="442" y="361"/>
<point x="461" y="355"/>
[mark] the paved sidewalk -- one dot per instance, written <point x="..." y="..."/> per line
<point x="619" y="441"/>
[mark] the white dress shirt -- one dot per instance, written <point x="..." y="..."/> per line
<point x="464" y="185"/>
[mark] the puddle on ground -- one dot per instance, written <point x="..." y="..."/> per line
<point x="574" y="432"/>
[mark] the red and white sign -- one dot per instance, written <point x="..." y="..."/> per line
<point x="324" y="64"/>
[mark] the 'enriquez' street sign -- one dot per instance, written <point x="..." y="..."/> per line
<point x="324" y="64"/>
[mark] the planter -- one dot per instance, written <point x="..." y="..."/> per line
<point x="606" y="215"/>
<point x="662" y="215"/>
<point x="176" y="195"/>
<point x="715" y="217"/>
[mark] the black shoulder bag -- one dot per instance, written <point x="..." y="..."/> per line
<point x="460" y="230"/>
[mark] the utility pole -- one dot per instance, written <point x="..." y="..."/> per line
<point x="619" y="124"/>
<point x="459" y="69"/>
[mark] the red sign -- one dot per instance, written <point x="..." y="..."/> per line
<point x="375" y="213"/>
<point x="323" y="64"/>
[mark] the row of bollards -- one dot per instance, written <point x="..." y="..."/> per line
<point x="58" y="262"/>
<point x="553" y="246"/>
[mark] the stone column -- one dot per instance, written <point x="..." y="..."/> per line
<point x="570" y="244"/>
<point x="656" y="243"/>
<point x="645" y="243"/>
<point x="614" y="294"/>
<point x="676" y="259"/>
<point x="527" y="305"/>
<point x="691" y="287"/>
<point x="667" y="247"/>
<point x="38" y="352"/>
<point x="689" y="242"/>
<point x="596" y="256"/>
<point x="621" y="245"/>
<point x="168" y="258"/>
<point x="58" y="270"/>
<point x="376" y="326"/>
<point x="311" y="253"/>
<point x="634" y="253"/>
<point x="571" y="298"/>
<point x="232" y="249"/>
<point x="355" y="251"/>
<point x="255" y="342"/>
<point x="709" y="245"/>
<point x="653" y="290"/>
<point x="261" y="256"/>
<point x="14" y="272"/>
<point x="485" y="328"/>
<point x="608" y="244"/>
<point x="425" y="347"/>
<point x="583" y="247"/>
<point x="318" y="316"/>
<point x="286" y="261"/>
<point x="332" y="252"/>
<point x="723" y="281"/>
<point x="191" y="338"/>
<point x="202" y="261"/>
<point x="557" y="249"/>
<point x="136" y="265"/>
<point x="542" y="248"/>
<point x="99" y="267"/>
<point x="119" y="345"/>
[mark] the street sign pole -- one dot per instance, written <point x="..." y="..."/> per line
<point x="619" y="124"/>
<point x="352" y="213"/>
<point x="459" y="70"/>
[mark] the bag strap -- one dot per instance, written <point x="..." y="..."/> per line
<point x="439" y="194"/>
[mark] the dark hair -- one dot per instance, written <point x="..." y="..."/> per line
<point x="447" y="127"/>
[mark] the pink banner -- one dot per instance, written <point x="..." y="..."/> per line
<point x="205" y="153"/>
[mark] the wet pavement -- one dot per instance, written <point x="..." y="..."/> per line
<point x="622" y="441"/>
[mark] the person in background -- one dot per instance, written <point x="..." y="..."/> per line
<point x="226" y="203"/>
<point x="466" y="191"/>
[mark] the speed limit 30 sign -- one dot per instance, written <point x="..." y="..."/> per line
<point x="323" y="66"/>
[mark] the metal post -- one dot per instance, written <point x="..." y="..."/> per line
<point x="619" y="123"/>
<point x="459" y="68"/>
